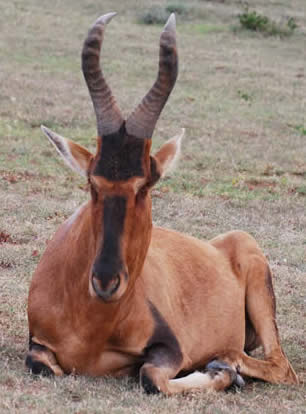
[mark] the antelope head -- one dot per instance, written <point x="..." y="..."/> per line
<point x="122" y="171"/>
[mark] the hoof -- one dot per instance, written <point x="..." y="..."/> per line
<point x="215" y="366"/>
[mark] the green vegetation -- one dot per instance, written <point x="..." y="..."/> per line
<point x="245" y="96"/>
<point x="154" y="15"/>
<point x="301" y="129"/>
<point x="158" y="14"/>
<point x="252" y="20"/>
<point x="178" y="8"/>
<point x="301" y="190"/>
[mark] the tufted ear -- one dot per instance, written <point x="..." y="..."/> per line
<point x="168" y="154"/>
<point x="77" y="157"/>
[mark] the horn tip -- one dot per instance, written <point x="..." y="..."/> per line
<point x="44" y="129"/>
<point x="171" y="23"/>
<point x="105" y="18"/>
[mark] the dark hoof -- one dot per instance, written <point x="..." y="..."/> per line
<point x="240" y="383"/>
<point x="148" y="385"/>
<point x="215" y="366"/>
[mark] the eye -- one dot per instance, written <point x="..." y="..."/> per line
<point x="93" y="192"/>
<point x="142" y="192"/>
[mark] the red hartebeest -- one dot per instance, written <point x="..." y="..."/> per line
<point x="113" y="295"/>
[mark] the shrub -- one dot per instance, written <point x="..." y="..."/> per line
<point x="154" y="15"/>
<point x="301" y="129"/>
<point x="251" y="20"/>
<point x="178" y="8"/>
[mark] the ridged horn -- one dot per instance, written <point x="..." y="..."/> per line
<point x="109" y="118"/>
<point x="141" y="122"/>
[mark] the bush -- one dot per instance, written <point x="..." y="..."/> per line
<point x="159" y="15"/>
<point x="251" y="20"/>
<point x="154" y="15"/>
<point x="178" y="8"/>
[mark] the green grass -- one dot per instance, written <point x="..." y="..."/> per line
<point x="241" y="99"/>
<point x="206" y="28"/>
<point x="301" y="129"/>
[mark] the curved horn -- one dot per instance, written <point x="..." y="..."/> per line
<point x="141" y="122"/>
<point x="109" y="118"/>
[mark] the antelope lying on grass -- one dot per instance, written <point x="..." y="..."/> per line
<point x="113" y="295"/>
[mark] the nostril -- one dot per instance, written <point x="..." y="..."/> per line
<point x="97" y="282"/>
<point x="105" y="291"/>
<point x="113" y="285"/>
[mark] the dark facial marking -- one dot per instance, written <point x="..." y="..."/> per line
<point x="163" y="347"/>
<point x="121" y="156"/>
<point x="108" y="263"/>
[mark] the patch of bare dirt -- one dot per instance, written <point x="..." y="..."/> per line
<point x="5" y="265"/>
<point x="6" y="238"/>
<point x="16" y="177"/>
<point x="254" y="184"/>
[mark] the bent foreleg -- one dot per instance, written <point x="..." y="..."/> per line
<point x="41" y="361"/>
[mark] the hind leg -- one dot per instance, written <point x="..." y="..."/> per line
<point x="260" y="305"/>
<point x="252" y="340"/>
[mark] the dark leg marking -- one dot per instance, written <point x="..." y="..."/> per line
<point x="163" y="347"/>
<point x="148" y="385"/>
<point x="37" y="367"/>
<point x="162" y="350"/>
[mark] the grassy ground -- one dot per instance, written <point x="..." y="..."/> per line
<point x="241" y="98"/>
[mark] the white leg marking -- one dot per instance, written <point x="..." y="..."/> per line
<point x="196" y="380"/>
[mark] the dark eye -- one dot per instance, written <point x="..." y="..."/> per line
<point x="142" y="192"/>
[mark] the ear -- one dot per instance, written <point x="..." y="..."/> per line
<point x="76" y="156"/>
<point x="169" y="153"/>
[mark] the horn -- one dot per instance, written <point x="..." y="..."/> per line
<point x="141" y="122"/>
<point x="109" y="118"/>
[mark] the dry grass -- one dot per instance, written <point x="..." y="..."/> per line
<point x="241" y="98"/>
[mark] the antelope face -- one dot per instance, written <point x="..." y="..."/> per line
<point x="120" y="178"/>
<point x="122" y="172"/>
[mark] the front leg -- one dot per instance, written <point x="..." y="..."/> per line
<point x="161" y="365"/>
<point x="164" y="359"/>
<point x="41" y="361"/>
<point x="217" y="376"/>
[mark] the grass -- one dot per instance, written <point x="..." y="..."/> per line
<point x="240" y="98"/>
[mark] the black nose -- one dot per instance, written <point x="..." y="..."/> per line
<point x="105" y="292"/>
